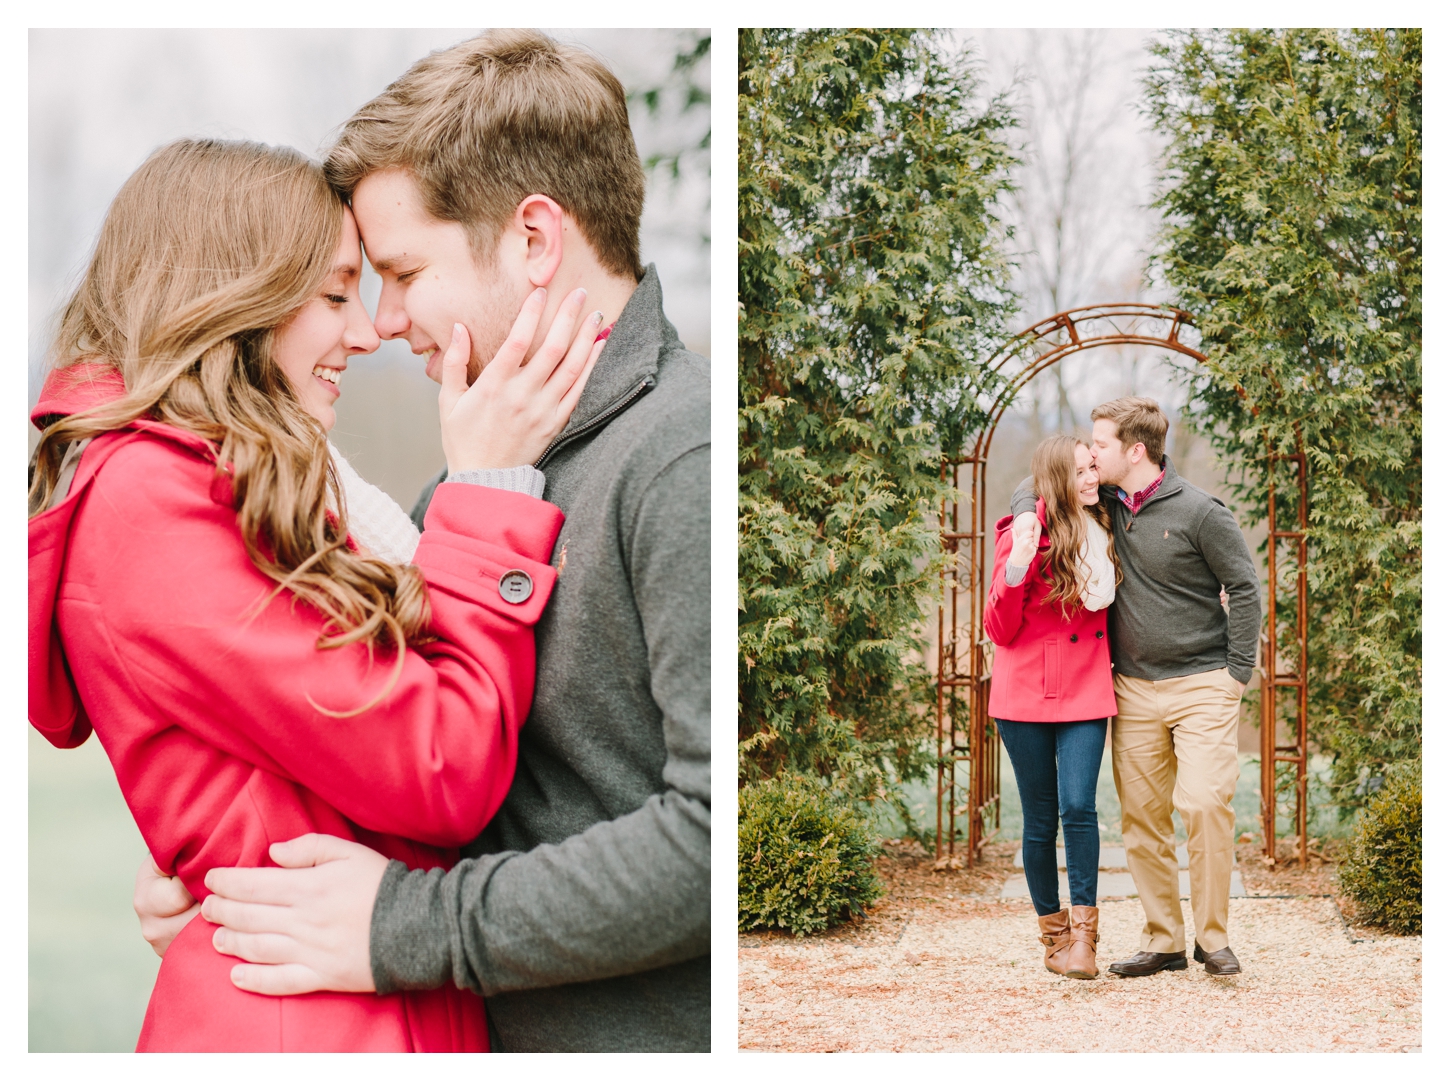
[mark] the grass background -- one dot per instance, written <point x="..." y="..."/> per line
<point x="90" y="970"/>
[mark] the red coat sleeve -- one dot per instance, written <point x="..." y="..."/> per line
<point x="164" y="568"/>
<point x="1002" y="612"/>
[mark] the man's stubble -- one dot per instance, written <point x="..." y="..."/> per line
<point x="493" y="318"/>
<point x="1109" y="475"/>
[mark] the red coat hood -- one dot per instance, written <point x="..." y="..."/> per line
<point x="80" y="386"/>
<point x="55" y="707"/>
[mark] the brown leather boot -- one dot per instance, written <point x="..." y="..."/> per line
<point x="1082" y="950"/>
<point x="1054" y="936"/>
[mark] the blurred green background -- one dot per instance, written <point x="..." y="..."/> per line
<point x="90" y="970"/>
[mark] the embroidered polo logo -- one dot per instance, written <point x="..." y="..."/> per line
<point x="563" y="557"/>
<point x="1165" y="534"/>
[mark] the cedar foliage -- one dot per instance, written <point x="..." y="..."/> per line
<point x="872" y="285"/>
<point x="1291" y="192"/>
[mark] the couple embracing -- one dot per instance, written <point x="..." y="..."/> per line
<point x="404" y="764"/>
<point x="1122" y="591"/>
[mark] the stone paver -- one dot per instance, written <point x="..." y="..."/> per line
<point x="1110" y="857"/>
<point x="1113" y="878"/>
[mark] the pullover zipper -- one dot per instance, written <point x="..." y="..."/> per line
<point x="569" y="437"/>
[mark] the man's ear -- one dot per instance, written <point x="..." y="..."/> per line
<point x="541" y="220"/>
<point x="1137" y="453"/>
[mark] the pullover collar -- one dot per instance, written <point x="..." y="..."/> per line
<point x="629" y="365"/>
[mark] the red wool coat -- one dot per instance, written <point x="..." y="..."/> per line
<point x="144" y="624"/>
<point x="1047" y="667"/>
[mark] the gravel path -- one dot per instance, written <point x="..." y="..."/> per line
<point x="940" y="967"/>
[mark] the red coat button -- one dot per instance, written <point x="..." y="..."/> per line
<point x="516" y="587"/>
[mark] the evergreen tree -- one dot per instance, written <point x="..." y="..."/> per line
<point x="871" y="288"/>
<point x="1292" y="196"/>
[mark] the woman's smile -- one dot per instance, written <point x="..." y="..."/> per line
<point x="330" y="377"/>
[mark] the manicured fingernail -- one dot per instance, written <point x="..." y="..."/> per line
<point x="597" y="318"/>
<point x="457" y="331"/>
<point x="540" y="293"/>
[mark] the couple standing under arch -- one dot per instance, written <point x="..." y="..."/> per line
<point x="1120" y="590"/>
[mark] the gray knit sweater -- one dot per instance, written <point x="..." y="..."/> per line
<point x="1175" y="553"/>
<point x="583" y="911"/>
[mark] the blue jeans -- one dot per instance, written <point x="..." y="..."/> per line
<point x="1057" y="775"/>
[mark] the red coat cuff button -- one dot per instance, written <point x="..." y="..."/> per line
<point x="516" y="587"/>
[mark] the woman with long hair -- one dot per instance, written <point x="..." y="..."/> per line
<point x="1052" y="687"/>
<point x="254" y="670"/>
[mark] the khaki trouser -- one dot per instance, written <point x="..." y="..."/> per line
<point x="1175" y="744"/>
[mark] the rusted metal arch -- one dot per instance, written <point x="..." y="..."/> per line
<point x="964" y="731"/>
<point x="1272" y="681"/>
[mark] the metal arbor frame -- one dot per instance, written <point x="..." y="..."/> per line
<point x="965" y="733"/>
<point x="1293" y="677"/>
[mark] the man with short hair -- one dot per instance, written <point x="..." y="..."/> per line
<point x="490" y="170"/>
<point x="1181" y="662"/>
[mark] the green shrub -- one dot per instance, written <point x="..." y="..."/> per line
<point x="1382" y="872"/>
<point x="805" y="857"/>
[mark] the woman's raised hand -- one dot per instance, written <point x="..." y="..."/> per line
<point x="515" y="409"/>
<point x="1026" y="530"/>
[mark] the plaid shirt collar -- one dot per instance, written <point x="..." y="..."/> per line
<point x="1135" y="501"/>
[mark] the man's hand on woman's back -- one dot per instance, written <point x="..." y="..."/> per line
<point x="163" y="905"/>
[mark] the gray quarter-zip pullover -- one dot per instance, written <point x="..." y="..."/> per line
<point x="582" y="911"/>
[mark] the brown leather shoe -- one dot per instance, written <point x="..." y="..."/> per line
<point x="1219" y="962"/>
<point x="1144" y="963"/>
<point x="1082" y="949"/>
<point x="1055" y="936"/>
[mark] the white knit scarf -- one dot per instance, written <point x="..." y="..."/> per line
<point x="1096" y="569"/>
<point x="374" y="520"/>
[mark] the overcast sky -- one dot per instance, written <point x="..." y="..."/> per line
<point x="1082" y="214"/>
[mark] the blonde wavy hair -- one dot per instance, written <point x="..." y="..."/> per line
<point x="1054" y="475"/>
<point x="209" y="248"/>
